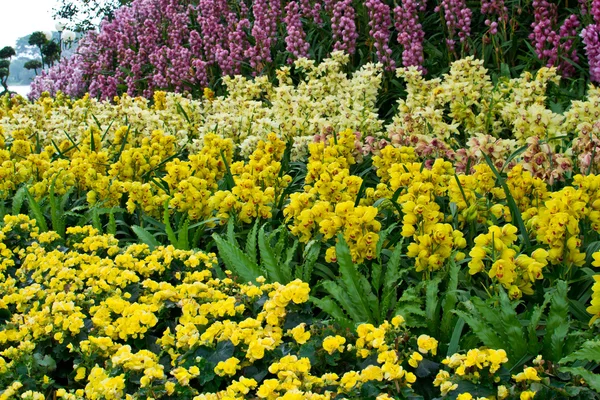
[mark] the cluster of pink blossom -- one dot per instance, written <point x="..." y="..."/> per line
<point x="65" y="77"/>
<point x="311" y="10"/>
<point x="410" y="33"/>
<point x="185" y="45"/>
<point x="343" y="26"/>
<point x="591" y="39"/>
<point x="295" y="41"/>
<point x="458" y="20"/>
<point x="551" y="46"/>
<point x="380" y="22"/>
<point x="494" y="9"/>
<point x="266" y="14"/>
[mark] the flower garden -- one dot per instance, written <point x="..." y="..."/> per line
<point x="290" y="200"/>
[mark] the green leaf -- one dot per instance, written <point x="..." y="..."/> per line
<point x="590" y="351"/>
<point x="328" y="305"/>
<point x="168" y="228"/>
<point x="557" y="325"/>
<point x="589" y="377"/>
<point x="390" y="281"/>
<point x="590" y="250"/>
<point x="453" y="346"/>
<point x="532" y="331"/>
<point x="46" y="361"/>
<point x="112" y="224"/>
<point x="56" y="213"/>
<point x="482" y="330"/>
<point x="311" y="254"/>
<point x="450" y="300"/>
<point x="410" y="307"/>
<point x="269" y="261"/>
<point x="183" y="240"/>
<point x="236" y="261"/>
<point x="35" y="209"/>
<point x="343" y="299"/>
<point x="357" y="286"/>
<point x="512" y="328"/>
<point x="18" y="200"/>
<point x="231" y="232"/>
<point x="145" y="236"/>
<point x="432" y="305"/>
<point x="251" y="243"/>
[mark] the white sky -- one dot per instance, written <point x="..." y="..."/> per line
<point x="21" y="17"/>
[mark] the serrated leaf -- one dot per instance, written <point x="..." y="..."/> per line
<point x="432" y="305"/>
<point x="390" y="281"/>
<point x="251" y="242"/>
<point x="589" y="377"/>
<point x="512" y="328"/>
<point x="557" y="324"/>
<point x="356" y="285"/>
<point x="145" y="236"/>
<point x="589" y="351"/>
<point x="18" y="200"/>
<point x="269" y="261"/>
<point x="236" y="261"/>
<point x="328" y="305"/>
<point x="482" y="330"/>
<point x="450" y="300"/>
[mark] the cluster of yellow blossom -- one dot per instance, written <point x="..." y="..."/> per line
<point x="594" y="307"/>
<point x="97" y="303"/>
<point x="328" y="203"/>
<point x="258" y="183"/>
<point x="497" y="249"/>
<point x="481" y="365"/>
<point x="557" y="221"/>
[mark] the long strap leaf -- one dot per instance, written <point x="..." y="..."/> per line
<point x="514" y="210"/>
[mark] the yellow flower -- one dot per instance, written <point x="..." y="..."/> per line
<point x="299" y="334"/>
<point x="414" y="360"/>
<point x="333" y="343"/>
<point x="527" y="395"/>
<point x="528" y="374"/>
<point x="426" y="344"/>
<point x="80" y="373"/>
<point x="228" y="367"/>
<point x="398" y="320"/>
<point x="170" y="387"/>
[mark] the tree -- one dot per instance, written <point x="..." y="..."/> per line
<point x="51" y="52"/>
<point x="83" y="15"/>
<point x="50" y="49"/>
<point x="6" y="54"/>
<point x="39" y="40"/>
<point x="33" y="65"/>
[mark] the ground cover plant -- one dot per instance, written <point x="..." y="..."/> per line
<point x="290" y="239"/>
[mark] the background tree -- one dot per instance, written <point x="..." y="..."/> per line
<point x="6" y="54"/>
<point x="39" y="40"/>
<point x="83" y="15"/>
<point x="33" y="65"/>
<point x="51" y="52"/>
